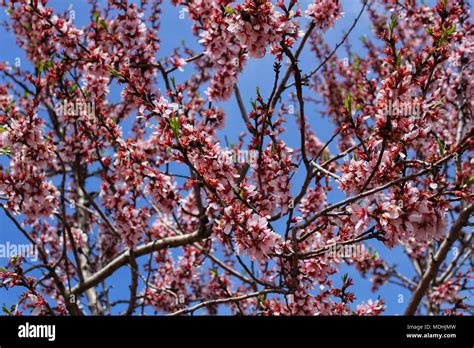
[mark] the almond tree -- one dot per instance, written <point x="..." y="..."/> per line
<point x="201" y="224"/>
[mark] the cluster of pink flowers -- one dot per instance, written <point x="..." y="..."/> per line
<point x="319" y="270"/>
<point x="257" y="24"/>
<point x="36" y="302"/>
<point x="224" y="50"/>
<point x="136" y="56"/>
<point x="249" y="27"/>
<point x="370" y="308"/>
<point x="108" y="243"/>
<point x="96" y="72"/>
<point x="259" y="241"/>
<point x="26" y="139"/>
<point x="152" y="166"/>
<point x="356" y="172"/>
<point x="162" y="191"/>
<point x="447" y="293"/>
<point x="130" y="28"/>
<point x="130" y="170"/>
<point x="69" y="36"/>
<point x="300" y="303"/>
<point x="314" y="200"/>
<point x="79" y="239"/>
<point x="359" y="216"/>
<point x="274" y="178"/>
<point x="131" y="222"/>
<point x="173" y="280"/>
<point x="251" y="232"/>
<point x="46" y="33"/>
<point x="412" y="212"/>
<point x="399" y="109"/>
<point x="324" y="13"/>
<point x="314" y="145"/>
<point x="220" y="175"/>
<point x="25" y="185"/>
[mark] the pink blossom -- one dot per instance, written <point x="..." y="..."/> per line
<point x="370" y="308"/>
<point x="324" y="13"/>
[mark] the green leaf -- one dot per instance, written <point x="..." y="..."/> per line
<point x="347" y="103"/>
<point x="356" y="64"/>
<point x="344" y="278"/>
<point x="40" y="67"/>
<point x="451" y="30"/>
<point x="103" y="24"/>
<point x="114" y="73"/>
<point x="175" y="126"/>
<point x="5" y="151"/>
<point x="229" y="10"/>
<point x="393" y="22"/>
<point x="43" y="65"/>
<point x="447" y="32"/>
<point x="470" y="181"/>
<point x="73" y="87"/>
<point x="5" y="309"/>
<point x="274" y="149"/>
<point x="173" y="82"/>
<point x="399" y="60"/>
<point x="326" y="156"/>
<point x="96" y="16"/>
<point x="9" y="106"/>
<point x="441" y="146"/>
<point x="436" y="105"/>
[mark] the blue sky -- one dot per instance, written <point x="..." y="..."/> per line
<point x="256" y="73"/>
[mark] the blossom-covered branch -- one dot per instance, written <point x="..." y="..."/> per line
<point x="114" y="150"/>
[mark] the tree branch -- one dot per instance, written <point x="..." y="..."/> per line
<point x="124" y="258"/>
<point x="226" y="300"/>
<point x="438" y="259"/>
